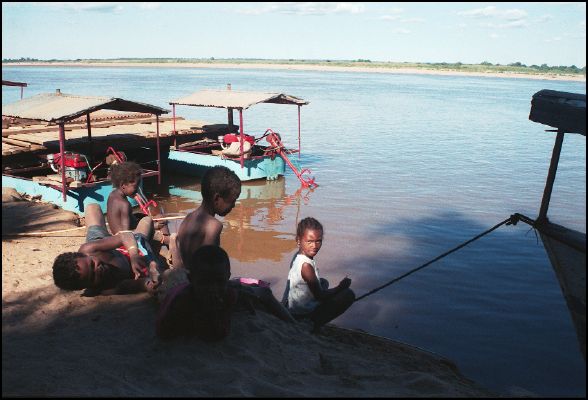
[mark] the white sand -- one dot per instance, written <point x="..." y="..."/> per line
<point x="57" y="343"/>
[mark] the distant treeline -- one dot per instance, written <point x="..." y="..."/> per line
<point x="516" y="67"/>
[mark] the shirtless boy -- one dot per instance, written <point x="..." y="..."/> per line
<point x="100" y="267"/>
<point x="126" y="178"/>
<point x="220" y="189"/>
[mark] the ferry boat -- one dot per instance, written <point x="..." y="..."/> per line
<point x="566" y="248"/>
<point x="250" y="157"/>
<point x="69" y="179"/>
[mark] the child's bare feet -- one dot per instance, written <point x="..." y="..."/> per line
<point x="154" y="273"/>
<point x="174" y="252"/>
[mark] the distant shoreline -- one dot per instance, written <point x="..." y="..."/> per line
<point x="418" y="71"/>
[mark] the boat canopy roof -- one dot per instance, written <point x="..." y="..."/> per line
<point x="235" y="99"/>
<point x="12" y="83"/>
<point x="60" y="107"/>
<point x="562" y="110"/>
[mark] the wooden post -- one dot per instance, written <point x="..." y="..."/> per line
<point x="241" y="135"/>
<point x="62" y="159"/>
<point x="550" y="177"/>
<point x="89" y="149"/>
<point x="174" y="119"/>
<point x="299" y="132"/>
<point x="158" y="152"/>
<point x="230" y="111"/>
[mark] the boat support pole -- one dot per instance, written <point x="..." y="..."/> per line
<point x="299" y="132"/>
<point x="88" y="127"/>
<point x="174" y="119"/>
<point x="158" y="152"/>
<point x="241" y="135"/>
<point x="62" y="158"/>
<point x="550" y="177"/>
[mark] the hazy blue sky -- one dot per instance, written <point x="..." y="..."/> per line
<point x="531" y="33"/>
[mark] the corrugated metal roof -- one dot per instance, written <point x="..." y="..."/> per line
<point x="235" y="99"/>
<point x="61" y="107"/>
<point x="12" y="83"/>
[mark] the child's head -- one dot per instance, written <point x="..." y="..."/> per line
<point x="76" y="271"/>
<point x="209" y="266"/>
<point x="309" y="236"/>
<point x="126" y="176"/>
<point x="220" y="188"/>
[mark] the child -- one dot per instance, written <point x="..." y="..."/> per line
<point x="126" y="178"/>
<point x="220" y="189"/>
<point x="308" y="295"/>
<point x="201" y="305"/>
<point x="101" y="267"/>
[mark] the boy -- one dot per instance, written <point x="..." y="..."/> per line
<point x="126" y="178"/>
<point x="202" y="303"/>
<point x="101" y="267"/>
<point x="220" y="189"/>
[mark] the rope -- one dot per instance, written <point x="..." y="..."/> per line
<point x="513" y="219"/>
<point x="43" y="233"/>
<point x="76" y="228"/>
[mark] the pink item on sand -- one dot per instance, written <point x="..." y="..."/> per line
<point x="253" y="281"/>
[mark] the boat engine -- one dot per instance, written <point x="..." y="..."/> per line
<point x="226" y="140"/>
<point x="76" y="165"/>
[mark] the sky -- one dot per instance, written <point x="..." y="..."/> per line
<point x="470" y="33"/>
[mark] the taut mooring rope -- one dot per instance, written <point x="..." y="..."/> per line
<point x="513" y="219"/>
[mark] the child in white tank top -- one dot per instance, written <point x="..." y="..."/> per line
<point x="308" y="295"/>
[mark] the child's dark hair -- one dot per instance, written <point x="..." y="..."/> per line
<point x="210" y="270"/>
<point x="307" y="223"/>
<point x="65" y="273"/>
<point x="219" y="180"/>
<point x="124" y="172"/>
<point x="209" y="265"/>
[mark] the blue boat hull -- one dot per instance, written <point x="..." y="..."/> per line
<point x="197" y="163"/>
<point x="76" y="198"/>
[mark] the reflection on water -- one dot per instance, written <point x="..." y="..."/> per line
<point x="254" y="229"/>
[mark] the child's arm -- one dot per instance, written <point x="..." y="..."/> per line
<point x="126" y="239"/>
<point x="315" y="287"/>
<point x="104" y="244"/>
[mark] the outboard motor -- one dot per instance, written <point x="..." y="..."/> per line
<point x="76" y="165"/>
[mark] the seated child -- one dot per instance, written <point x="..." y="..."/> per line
<point x="102" y="267"/>
<point x="126" y="179"/>
<point x="220" y="189"/>
<point x="308" y="295"/>
<point x="199" y="300"/>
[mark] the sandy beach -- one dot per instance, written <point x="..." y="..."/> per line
<point x="57" y="343"/>
<point x="299" y="68"/>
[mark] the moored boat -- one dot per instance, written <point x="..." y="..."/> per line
<point x="245" y="155"/>
<point x="71" y="179"/>
<point x="565" y="247"/>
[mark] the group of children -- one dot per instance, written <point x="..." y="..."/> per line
<point x="196" y="293"/>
